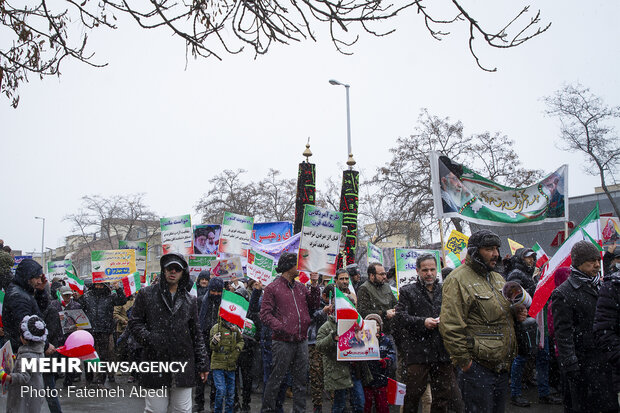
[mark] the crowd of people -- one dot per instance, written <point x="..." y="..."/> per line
<point x="453" y="338"/>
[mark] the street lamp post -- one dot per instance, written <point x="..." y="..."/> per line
<point x="42" y="242"/>
<point x="350" y="160"/>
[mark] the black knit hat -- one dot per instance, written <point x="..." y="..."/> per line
<point x="481" y="239"/>
<point x="287" y="261"/>
<point x="584" y="251"/>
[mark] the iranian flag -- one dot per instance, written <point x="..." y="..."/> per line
<point x="132" y="283"/>
<point x="234" y="308"/>
<point x="85" y="352"/>
<point x="1" y="306"/>
<point x="194" y="291"/>
<point x="396" y="392"/>
<point x="541" y="256"/>
<point x="345" y="310"/>
<point x="589" y="230"/>
<point x="453" y="260"/>
<point x="74" y="282"/>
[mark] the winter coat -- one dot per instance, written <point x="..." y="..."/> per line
<point x="209" y="309"/>
<point x="120" y="315"/>
<point x="521" y="273"/>
<point x="19" y="301"/>
<point x="476" y="320"/>
<point x="376" y="300"/>
<point x="319" y="317"/>
<point x="52" y="321"/>
<point x="608" y="263"/>
<point x="419" y="345"/>
<point x="607" y="323"/>
<point x="167" y="328"/>
<point x="581" y="361"/>
<point x="380" y="374"/>
<point x="225" y="353"/>
<point x="336" y="374"/>
<point x="98" y="305"/>
<point x="286" y="309"/>
<point x="15" y="401"/>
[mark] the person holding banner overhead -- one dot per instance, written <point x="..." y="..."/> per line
<point x="477" y="325"/>
<point x="286" y="308"/>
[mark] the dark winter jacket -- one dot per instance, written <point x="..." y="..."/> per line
<point x="201" y="291"/>
<point x="52" y="321"/>
<point x="286" y="309"/>
<point x="419" y="345"/>
<point x="521" y="273"/>
<point x="376" y="300"/>
<point x="20" y="301"/>
<point x="319" y="317"/>
<point x="167" y="328"/>
<point x="579" y="357"/>
<point x="387" y="352"/>
<point x="608" y="263"/>
<point x="98" y="305"/>
<point x="209" y="309"/>
<point x="607" y="323"/>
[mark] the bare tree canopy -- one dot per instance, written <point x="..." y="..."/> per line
<point x="124" y="217"/>
<point x="586" y="126"/>
<point x="402" y="191"/>
<point x="271" y="199"/>
<point x="39" y="35"/>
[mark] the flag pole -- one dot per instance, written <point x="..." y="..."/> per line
<point x="565" y="230"/>
<point x="443" y="251"/>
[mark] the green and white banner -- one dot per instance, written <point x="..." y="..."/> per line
<point x="236" y="234"/>
<point x="176" y="234"/>
<point x="58" y="268"/>
<point x="141" y="249"/>
<point x="406" y="269"/>
<point x="199" y="263"/>
<point x="261" y="267"/>
<point x="374" y="253"/>
<point x="320" y="240"/>
<point x="459" y="192"/>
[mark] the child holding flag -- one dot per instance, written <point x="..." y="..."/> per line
<point x="33" y="336"/>
<point x="226" y="345"/>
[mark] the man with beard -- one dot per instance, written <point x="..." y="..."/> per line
<point x="204" y="241"/>
<point x="477" y="325"/>
<point x="417" y="314"/>
<point x="375" y="296"/>
<point x="587" y="378"/>
<point x="164" y="320"/>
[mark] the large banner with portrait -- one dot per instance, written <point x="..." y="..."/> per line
<point x="460" y="192"/>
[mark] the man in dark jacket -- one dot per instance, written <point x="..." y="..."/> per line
<point x="417" y="314"/>
<point x="611" y="259"/>
<point x="164" y="320"/>
<point x="375" y="296"/>
<point x="98" y="304"/>
<point x="286" y="308"/>
<point x="587" y="378"/>
<point x="607" y="324"/>
<point x="523" y="265"/>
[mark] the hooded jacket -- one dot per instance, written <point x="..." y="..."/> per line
<point x="20" y="301"/>
<point x="476" y="320"/>
<point x="521" y="273"/>
<point x="286" y="309"/>
<point x="209" y="309"/>
<point x="167" y="328"/>
<point x="98" y="305"/>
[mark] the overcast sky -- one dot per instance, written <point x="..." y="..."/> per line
<point x="146" y="123"/>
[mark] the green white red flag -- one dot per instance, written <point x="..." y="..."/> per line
<point x="234" y="308"/>
<point x="75" y="283"/>
<point x="345" y="310"/>
<point x="1" y="306"/>
<point x="396" y="392"/>
<point x="85" y="352"/>
<point x="589" y="230"/>
<point x="131" y="283"/>
<point x="194" y="291"/>
<point x="452" y="260"/>
<point x="541" y="256"/>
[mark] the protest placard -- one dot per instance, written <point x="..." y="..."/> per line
<point x="355" y="344"/>
<point x="236" y="234"/>
<point x="227" y="268"/>
<point x="374" y="253"/>
<point x="57" y="269"/>
<point x="405" y="259"/>
<point x="206" y="239"/>
<point x="270" y="232"/>
<point x="71" y="320"/>
<point x="176" y="234"/>
<point x="320" y="240"/>
<point x="610" y="230"/>
<point x="198" y="263"/>
<point x="261" y="267"/>
<point x="7" y="362"/>
<point x="456" y="242"/>
<point x="112" y="265"/>
<point x="141" y="248"/>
